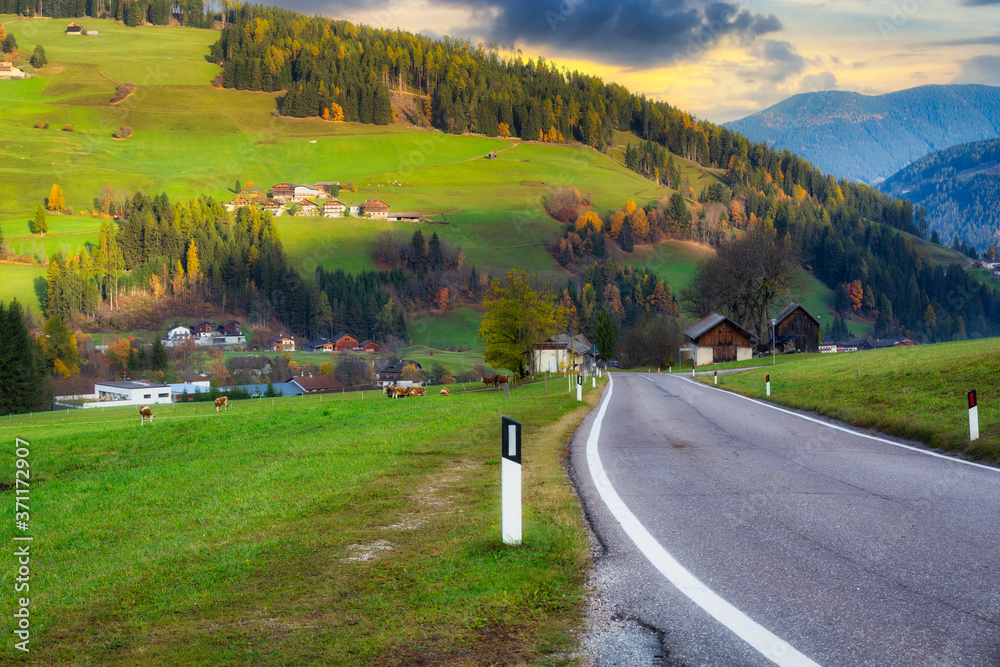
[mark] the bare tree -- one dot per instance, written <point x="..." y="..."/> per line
<point x="743" y="280"/>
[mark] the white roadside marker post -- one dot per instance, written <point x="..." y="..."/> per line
<point x="579" y="387"/>
<point x="510" y="481"/>
<point x="767" y="383"/>
<point x="973" y="416"/>
<point x="716" y="377"/>
<point x="593" y="380"/>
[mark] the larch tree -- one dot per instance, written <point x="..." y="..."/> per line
<point x="56" y="200"/>
<point x="517" y="316"/>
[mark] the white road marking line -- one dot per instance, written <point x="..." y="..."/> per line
<point x="848" y="430"/>
<point x="767" y="643"/>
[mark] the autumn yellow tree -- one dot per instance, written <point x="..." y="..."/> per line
<point x="615" y="222"/>
<point x="193" y="266"/>
<point x="336" y="113"/>
<point x="591" y="218"/>
<point x="640" y="225"/>
<point x="410" y="373"/>
<point x="56" y="200"/>
<point x="503" y="130"/>
<point x="629" y="207"/>
<point x="326" y="368"/>
<point x="155" y="287"/>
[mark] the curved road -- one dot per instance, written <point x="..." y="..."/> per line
<point x="747" y="534"/>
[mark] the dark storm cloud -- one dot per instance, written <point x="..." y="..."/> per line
<point x="630" y="33"/>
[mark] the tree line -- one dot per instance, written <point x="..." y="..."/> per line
<point x="129" y="12"/>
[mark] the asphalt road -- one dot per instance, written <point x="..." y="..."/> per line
<point x="735" y="533"/>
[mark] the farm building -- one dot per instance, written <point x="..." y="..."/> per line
<point x="307" y="207"/>
<point x="283" y="192"/>
<point x="376" y="208"/>
<point x="273" y="207"/>
<point x="390" y="371"/>
<point x="564" y="353"/>
<point x="717" y="338"/>
<point x="115" y="394"/>
<point x="318" y="345"/>
<point x="370" y="346"/>
<point x="881" y="343"/>
<point x="326" y="187"/>
<point x="230" y="328"/>
<point x="8" y="71"/>
<point x="282" y="344"/>
<point x="303" y="191"/>
<point x="797" y="328"/>
<point x="405" y="216"/>
<point x="344" y="342"/>
<point x="317" y="384"/>
<point x="74" y="28"/>
<point x="202" y="328"/>
<point x="333" y="209"/>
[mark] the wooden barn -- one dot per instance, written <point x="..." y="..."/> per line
<point x="717" y="338"/>
<point x="797" y="328"/>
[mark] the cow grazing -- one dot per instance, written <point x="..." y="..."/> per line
<point x="500" y="379"/>
<point x="144" y="414"/>
<point x="222" y="402"/>
<point x="400" y="392"/>
<point x="417" y="391"/>
<point x="445" y="392"/>
<point x="389" y="390"/>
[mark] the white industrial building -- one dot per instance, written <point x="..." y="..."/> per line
<point x="116" y="394"/>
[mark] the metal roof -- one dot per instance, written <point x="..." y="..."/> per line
<point x="128" y="384"/>
<point x="789" y="309"/>
<point x="713" y="320"/>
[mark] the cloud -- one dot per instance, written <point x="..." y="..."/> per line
<point x="821" y="81"/>
<point x="776" y="62"/>
<point x="981" y="69"/>
<point x="987" y="40"/>
<point x="632" y="33"/>
<point x="980" y="3"/>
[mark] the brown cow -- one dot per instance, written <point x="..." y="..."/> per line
<point x="417" y="391"/>
<point x="500" y="379"/>
<point x="222" y="402"/>
<point x="488" y="381"/>
<point x="445" y="392"/>
<point x="388" y="389"/>
<point x="400" y="392"/>
<point x="144" y="414"/>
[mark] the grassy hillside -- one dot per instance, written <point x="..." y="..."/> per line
<point x="345" y="531"/>
<point x="914" y="392"/>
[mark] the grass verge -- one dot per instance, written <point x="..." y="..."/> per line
<point x="303" y="531"/>
<point x="914" y="392"/>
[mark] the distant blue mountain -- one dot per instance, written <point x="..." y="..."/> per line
<point x="871" y="137"/>
<point x="960" y="188"/>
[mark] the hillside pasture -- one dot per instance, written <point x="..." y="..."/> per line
<point x="22" y="281"/>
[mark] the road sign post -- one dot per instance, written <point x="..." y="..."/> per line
<point x="510" y="481"/>
<point x="973" y="416"/>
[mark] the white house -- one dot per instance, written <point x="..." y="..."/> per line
<point x="333" y="208"/>
<point x="564" y="353"/>
<point x="303" y="191"/>
<point x="116" y="394"/>
<point x="179" y="331"/>
<point x="354" y="210"/>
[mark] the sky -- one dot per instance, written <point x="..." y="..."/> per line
<point x="718" y="59"/>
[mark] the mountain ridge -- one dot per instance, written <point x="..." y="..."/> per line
<point x="871" y="137"/>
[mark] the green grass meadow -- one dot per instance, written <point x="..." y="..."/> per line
<point x="300" y="531"/>
<point x="916" y="392"/>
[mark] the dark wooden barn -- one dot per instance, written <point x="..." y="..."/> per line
<point x="798" y="328"/>
<point x="717" y="339"/>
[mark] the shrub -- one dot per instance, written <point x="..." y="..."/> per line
<point x="123" y="132"/>
<point x="69" y="127"/>
<point x="41" y="124"/>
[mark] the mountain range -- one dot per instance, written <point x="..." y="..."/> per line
<point x="870" y="137"/>
<point x="960" y="189"/>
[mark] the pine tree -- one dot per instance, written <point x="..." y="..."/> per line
<point x="40" y="224"/>
<point x="24" y="383"/>
<point x="158" y="361"/>
<point x="626" y="240"/>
